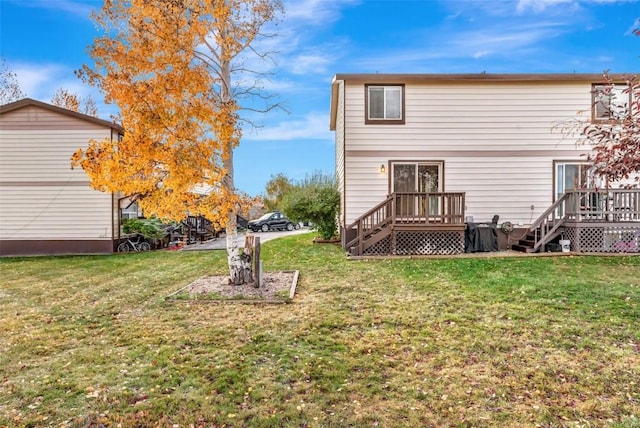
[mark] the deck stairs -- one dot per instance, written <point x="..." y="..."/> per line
<point x="545" y="229"/>
<point x="372" y="227"/>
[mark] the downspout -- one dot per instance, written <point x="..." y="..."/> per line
<point x="113" y="223"/>
<point x="344" y="159"/>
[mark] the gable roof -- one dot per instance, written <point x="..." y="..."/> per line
<point x="459" y="78"/>
<point x="27" y="102"/>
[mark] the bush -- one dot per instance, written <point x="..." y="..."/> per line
<point x="147" y="227"/>
<point x="315" y="199"/>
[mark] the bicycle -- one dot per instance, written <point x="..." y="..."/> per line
<point x="138" y="245"/>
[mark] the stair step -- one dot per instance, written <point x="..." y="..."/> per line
<point x="522" y="248"/>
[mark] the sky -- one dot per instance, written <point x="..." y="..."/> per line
<point x="44" y="41"/>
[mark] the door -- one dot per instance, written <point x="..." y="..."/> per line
<point x="573" y="176"/>
<point x="424" y="177"/>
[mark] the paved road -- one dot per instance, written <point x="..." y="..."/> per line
<point x="221" y="242"/>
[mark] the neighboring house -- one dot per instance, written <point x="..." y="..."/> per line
<point x="421" y="156"/>
<point x="45" y="206"/>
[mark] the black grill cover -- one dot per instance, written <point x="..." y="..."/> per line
<point x="480" y="238"/>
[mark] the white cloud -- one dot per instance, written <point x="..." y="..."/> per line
<point x="297" y="48"/>
<point x="301" y="13"/>
<point x="38" y="80"/>
<point x="313" y="126"/>
<point x="539" y="5"/>
<point x="305" y="64"/>
<point x="478" y="43"/>
<point x="504" y="39"/>
<point x="542" y="5"/>
<point x="80" y="9"/>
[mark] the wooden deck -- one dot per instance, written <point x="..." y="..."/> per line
<point x="434" y="223"/>
<point x="593" y="220"/>
<point x="410" y="223"/>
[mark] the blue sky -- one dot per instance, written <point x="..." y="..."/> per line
<point x="44" y="41"/>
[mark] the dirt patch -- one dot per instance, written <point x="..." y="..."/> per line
<point x="276" y="287"/>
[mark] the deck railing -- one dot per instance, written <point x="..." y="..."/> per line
<point x="408" y="209"/>
<point x="428" y="208"/>
<point x="613" y="205"/>
<point x="587" y="205"/>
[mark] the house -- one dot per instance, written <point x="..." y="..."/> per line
<point x="421" y="157"/>
<point x="45" y="206"/>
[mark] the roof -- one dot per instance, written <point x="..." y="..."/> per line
<point x="26" y="102"/>
<point x="460" y="78"/>
<point x="475" y="77"/>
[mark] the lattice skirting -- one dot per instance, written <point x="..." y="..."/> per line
<point x="405" y="243"/>
<point x="604" y="238"/>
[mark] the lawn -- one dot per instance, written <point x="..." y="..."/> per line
<point x="527" y="341"/>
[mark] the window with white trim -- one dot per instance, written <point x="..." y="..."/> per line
<point x="384" y="104"/>
<point x="131" y="211"/>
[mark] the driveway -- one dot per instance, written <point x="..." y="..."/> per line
<point x="221" y="242"/>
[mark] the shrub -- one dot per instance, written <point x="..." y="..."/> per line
<point x="147" y="227"/>
<point x="315" y="199"/>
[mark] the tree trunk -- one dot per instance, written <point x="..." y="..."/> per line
<point x="240" y="266"/>
<point x="240" y="269"/>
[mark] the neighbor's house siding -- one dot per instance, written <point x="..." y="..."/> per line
<point x="45" y="206"/>
<point x="496" y="139"/>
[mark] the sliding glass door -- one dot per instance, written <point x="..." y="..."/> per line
<point x="417" y="177"/>
<point x="573" y="176"/>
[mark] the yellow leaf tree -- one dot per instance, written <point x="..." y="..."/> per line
<point x="168" y="66"/>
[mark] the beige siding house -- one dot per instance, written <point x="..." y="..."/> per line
<point x="45" y="206"/>
<point x="432" y="153"/>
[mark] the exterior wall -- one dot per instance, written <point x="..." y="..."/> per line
<point x="44" y="204"/>
<point x="340" y="147"/>
<point x="496" y="140"/>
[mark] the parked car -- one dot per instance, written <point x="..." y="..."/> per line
<point x="272" y="221"/>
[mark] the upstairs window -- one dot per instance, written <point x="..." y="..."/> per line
<point x="610" y="102"/>
<point x="384" y="104"/>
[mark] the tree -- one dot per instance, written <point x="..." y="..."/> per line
<point x="276" y="188"/>
<point x="168" y="65"/>
<point x="616" y="144"/>
<point x="71" y="101"/>
<point x="315" y="199"/>
<point x="9" y="88"/>
<point x="614" y="135"/>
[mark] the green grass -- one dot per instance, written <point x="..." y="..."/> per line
<point x="531" y="341"/>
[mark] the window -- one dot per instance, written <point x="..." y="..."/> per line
<point x="131" y="211"/>
<point x="610" y="102"/>
<point x="384" y="104"/>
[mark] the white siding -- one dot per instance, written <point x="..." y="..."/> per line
<point x="497" y="141"/>
<point x="41" y="197"/>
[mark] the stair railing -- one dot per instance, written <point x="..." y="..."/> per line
<point x="367" y="224"/>
<point x="552" y="219"/>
